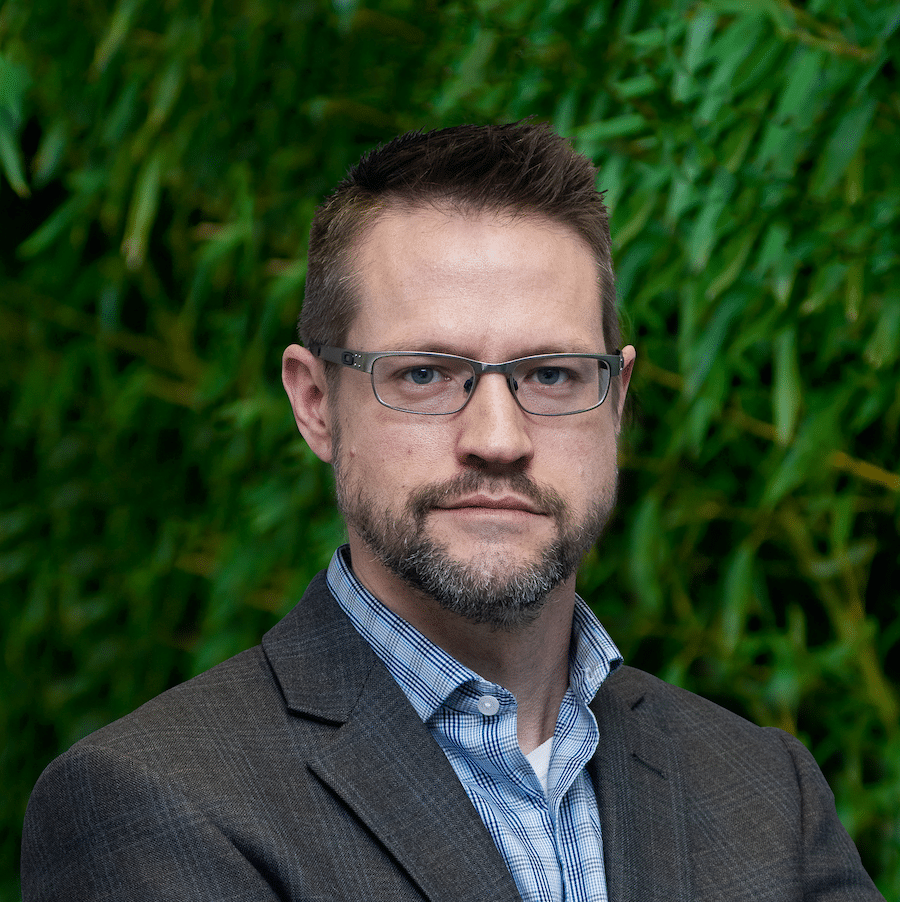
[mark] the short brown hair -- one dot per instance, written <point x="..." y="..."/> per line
<point x="523" y="168"/>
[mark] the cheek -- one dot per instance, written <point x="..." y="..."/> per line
<point x="395" y="454"/>
<point x="587" y="460"/>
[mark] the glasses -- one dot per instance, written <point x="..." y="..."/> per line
<point x="548" y="385"/>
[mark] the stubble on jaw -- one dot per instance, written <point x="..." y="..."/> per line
<point x="493" y="590"/>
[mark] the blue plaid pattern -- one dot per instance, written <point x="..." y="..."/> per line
<point x="551" y="842"/>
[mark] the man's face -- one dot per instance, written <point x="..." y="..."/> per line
<point x="487" y="510"/>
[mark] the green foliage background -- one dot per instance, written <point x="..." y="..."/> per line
<point x="160" y="164"/>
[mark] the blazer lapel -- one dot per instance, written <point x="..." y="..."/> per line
<point x="380" y="759"/>
<point x="389" y="770"/>
<point x="640" y="798"/>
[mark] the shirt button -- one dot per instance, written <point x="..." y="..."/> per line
<point x="489" y="705"/>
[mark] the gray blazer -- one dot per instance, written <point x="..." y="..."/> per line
<point x="298" y="770"/>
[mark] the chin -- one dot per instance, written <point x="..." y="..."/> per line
<point x="498" y="588"/>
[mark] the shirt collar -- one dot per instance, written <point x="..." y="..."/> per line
<point x="426" y="673"/>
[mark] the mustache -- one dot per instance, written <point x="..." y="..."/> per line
<point x="547" y="500"/>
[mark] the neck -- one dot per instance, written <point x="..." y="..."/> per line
<point x="531" y="662"/>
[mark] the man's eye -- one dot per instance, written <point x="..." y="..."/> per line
<point x="550" y="375"/>
<point x="422" y="375"/>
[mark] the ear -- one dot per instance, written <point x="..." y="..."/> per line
<point x="303" y="377"/>
<point x="629" y="353"/>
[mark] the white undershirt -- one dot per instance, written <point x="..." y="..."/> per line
<point x="539" y="759"/>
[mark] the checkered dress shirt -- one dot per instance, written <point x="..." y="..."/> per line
<point x="551" y="842"/>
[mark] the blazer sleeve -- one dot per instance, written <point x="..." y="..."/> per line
<point x="832" y="871"/>
<point x="102" y="826"/>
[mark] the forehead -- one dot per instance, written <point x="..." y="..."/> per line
<point x="475" y="283"/>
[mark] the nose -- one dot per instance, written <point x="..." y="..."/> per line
<point x="493" y="429"/>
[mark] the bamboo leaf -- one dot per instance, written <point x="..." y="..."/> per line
<point x="639" y="86"/>
<point x="883" y="347"/>
<point x="14" y="84"/>
<point x="806" y="457"/>
<point x="854" y="296"/>
<point x="710" y="341"/>
<point x="730" y="49"/>
<point x="843" y="145"/>
<point x="52" y="229"/>
<point x="166" y="91"/>
<point x="787" y="390"/>
<point x="704" y="234"/>
<point x="803" y="76"/>
<point x="731" y="263"/>
<point x="50" y="152"/>
<point x="737" y="597"/>
<point x="119" y="27"/>
<point x="699" y="32"/>
<point x="589" y="137"/>
<point x="11" y="158"/>
<point x="144" y="204"/>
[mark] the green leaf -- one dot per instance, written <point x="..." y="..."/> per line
<point x="144" y="204"/>
<point x="52" y="229"/>
<point x="166" y="91"/>
<point x="883" y="348"/>
<point x="842" y="147"/>
<point x="647" y="40"/>
<point x="705" y="233"/>
<point x="730" y="49"/>
<point x="806" y="457"/>
<point x="803" y="76"/>
<point x="11" y="157"/>
<point x="855" y="291"/>
<point x="731" y="263"/>
<point x="639" y="86"/>
<point x="699" y="30"/>
<point x="589" y="137"/>
<point x="50" y="153"/>
<point x="120" y="117"/>
<point x="15" y="83"/>
<point x="787" y="390"/>
<point x="708" y="347"/>
<point x="119" y="26"/>
<point x="643" y="559"/>
<point x="737" y="596"/>
<point x="646" y="203"/>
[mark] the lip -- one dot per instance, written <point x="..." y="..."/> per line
<point x="492" y="502"/>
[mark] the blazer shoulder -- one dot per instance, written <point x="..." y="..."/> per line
<point x="709" y="740"/>
<point x="673" y="710"/>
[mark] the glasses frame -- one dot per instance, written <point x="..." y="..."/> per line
<point x="364" y="362"/>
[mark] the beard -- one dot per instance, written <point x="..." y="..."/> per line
<point x="495" y="588"/>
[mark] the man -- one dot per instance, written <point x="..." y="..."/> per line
<point x="441" y="717"/>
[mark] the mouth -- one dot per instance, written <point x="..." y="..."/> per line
<point x="492" y="503"/>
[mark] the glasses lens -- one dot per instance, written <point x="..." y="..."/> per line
<point x="564" y="384"/>
<point x="422" y="383"/>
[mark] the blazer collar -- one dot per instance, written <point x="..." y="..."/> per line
<point x="379" y="759"/>
<point x="318" y="658"/>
